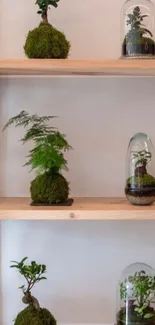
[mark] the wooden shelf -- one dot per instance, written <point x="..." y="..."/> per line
<point x="22" y="67"/>
<point x="82" y="209"/>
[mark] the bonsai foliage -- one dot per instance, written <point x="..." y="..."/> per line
<point x="49" y="144"/>
<point x="143" y="293"/>
<point x="135" y="21"/>
<point x="33" y="273"/>
<point x="44" y="6"/>
<point x="142" y="158"/>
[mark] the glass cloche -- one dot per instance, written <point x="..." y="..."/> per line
<point x="136" y="296"/>
<point x="138" y="29"/>
<point x="140" y="178"/>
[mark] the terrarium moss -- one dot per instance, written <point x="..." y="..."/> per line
<point x="138" y="45"/>
<point x="46" y="42"/>
<point x="31" y="316"/>
<point x="145" y="180"/>
<point x="49" y="188"/>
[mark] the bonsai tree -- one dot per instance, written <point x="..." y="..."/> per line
<point x="137" y="294"/>
<point x="136" y="43"/>
<point x="47" y="157"/>
<point x="142" y="158"/>
<point x="140" y="188"/>
<point x="33" y="314"/>
<point x="45" y="41"/>
<point x="141" y="177"/>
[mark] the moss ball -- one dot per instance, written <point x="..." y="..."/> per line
<point x="49" y="188"/>
<point x="46" y="42"/>
<point x="141" y="181"/>
<point x="30" y="316"/>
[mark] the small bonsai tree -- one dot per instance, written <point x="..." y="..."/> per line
<point x="142" y="159"/>
<point x="47" y="157"/>
<point x="33" y="314"/>
<point x="135" y="40"/>
<point x="45" y="41"/>
<point x="44" y="6"/>
<point x="141" y="178"/>
<point x="137" y="293"/>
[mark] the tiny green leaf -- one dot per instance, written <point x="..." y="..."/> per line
<point x="148" y="315"/>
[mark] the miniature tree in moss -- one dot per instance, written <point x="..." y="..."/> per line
<point x="141" y="176"/>
<point x="136" y="43"/>
<point x="44" y="6"/>
<point x="45" y="41"/>
<point x="137" y="293"/>
<point x="140" y="187"/>
<point x="33" y="314"/>
<point x="47" y="156"/>
<point x="142" y="159"/>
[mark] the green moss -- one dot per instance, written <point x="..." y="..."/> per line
<point x="30" y="316"/>
<point x="145" y="180"/>
<point x="49" y="188"/>
<point x="137" y="45"/>
<point x="46" y="42"/>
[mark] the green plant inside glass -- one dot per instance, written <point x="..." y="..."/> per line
<point x="49" y="187"/>
<point x="138" y="41"/>
<point x="137" y="294"/>
<point x="140" y="188"/>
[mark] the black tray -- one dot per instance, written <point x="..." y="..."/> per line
<point x="67" y="203"/>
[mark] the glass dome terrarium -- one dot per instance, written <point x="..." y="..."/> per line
<point x="136" y="296"/>
<point x="140" y="178"/>
<point x="138" y="29"/>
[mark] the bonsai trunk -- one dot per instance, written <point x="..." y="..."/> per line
<point x="141" y="171"/>
<point x="30" y="300"/>
<point x="44" y="16"/>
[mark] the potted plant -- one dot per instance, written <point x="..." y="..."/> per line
<point x="45" y="41"/>
<point x="138" y="41"/>
<point x="33" y="314"/>
<point x="140" y="188"/>
<point x="137" y="294"/>
<point x="49" y="187"/>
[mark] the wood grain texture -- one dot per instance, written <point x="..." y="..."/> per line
<point x="82" y="209"/>
<point x="43" y="67"/>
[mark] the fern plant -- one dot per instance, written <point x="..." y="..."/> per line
<point x="49" y="144"/>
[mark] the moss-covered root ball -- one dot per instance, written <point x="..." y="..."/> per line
<point x="31" y="316"/>
<point x="46" y="42"/>
<point x="49" y="188"/>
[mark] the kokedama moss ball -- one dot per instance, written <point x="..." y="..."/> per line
<point x="49" y="188"/>
<point x="46" y="42"/>
<point x="31" y="316"/>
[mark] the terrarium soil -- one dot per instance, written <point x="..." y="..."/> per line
<point x="133" y="319"/>
<point x="143" y="46"/>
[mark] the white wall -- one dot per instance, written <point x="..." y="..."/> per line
<point x="99" y="115"/>
<point x="93" y="27"/>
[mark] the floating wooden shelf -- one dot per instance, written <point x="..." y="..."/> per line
<point x="82" y="209"/>
<point x="43" y="67"/>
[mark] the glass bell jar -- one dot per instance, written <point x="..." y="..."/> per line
<point x="136" y="296"/>
<point x="140" y="170"/>
<point x="137" y="27"/>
